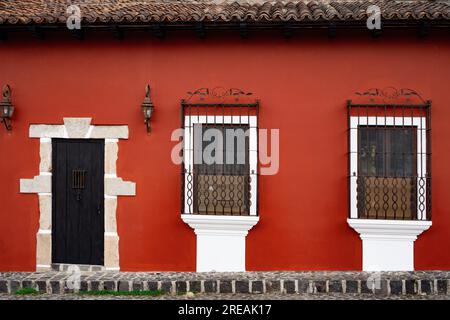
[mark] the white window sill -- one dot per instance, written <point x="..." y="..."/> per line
<point x="220" y="224"/>
<point x="387" y="228"/>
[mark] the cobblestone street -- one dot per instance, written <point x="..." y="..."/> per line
<point x="225" y="297"/>
<point x="212" y="285"/>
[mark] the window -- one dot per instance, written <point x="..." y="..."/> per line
<point x="389" y="162"/>
<point x="219" y="174"/>
<point x="389" y="139"/>
<point x="387" y="159"/>
<point x="220" y="155"/>
<point x="222" y="181"/>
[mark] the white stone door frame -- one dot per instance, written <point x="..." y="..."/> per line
<point x="77" y="128"/>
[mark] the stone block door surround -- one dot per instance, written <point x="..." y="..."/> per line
<point x="77" y="128"/>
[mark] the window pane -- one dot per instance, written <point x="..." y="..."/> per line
<point x="386" y="183"/>
<point x="221" y="180"/>
<point x="387" y="152"/>
<point x="233" y="142"/>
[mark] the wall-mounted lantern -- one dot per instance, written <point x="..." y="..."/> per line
<point x="6" y="107"/>
<point x="147" y="108"/>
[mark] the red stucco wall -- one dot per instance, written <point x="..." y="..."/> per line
<point x="303" y="84"/>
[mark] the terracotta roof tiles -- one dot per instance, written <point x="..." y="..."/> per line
<point x="151" y="11"/>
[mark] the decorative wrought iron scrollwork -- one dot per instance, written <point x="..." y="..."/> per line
<point x="219" y="95"/>
<point x="391" y="95"/>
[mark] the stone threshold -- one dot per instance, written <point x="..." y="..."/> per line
<point x="377" y="283"/>
<point x="82" y="267"/>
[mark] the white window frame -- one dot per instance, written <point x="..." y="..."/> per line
<point x="419" y="123"/>
<point x="252" y="121"/>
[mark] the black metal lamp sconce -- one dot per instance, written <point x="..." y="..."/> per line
<point x="6" y="107"/>
<point x="147" y="108"/>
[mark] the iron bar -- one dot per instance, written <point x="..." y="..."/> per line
<point x="218" y="188"/>
<point x="393" y="151"/>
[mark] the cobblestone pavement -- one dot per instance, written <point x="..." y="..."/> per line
<point x="348" y="275"/>
<point x="301" y="285"/>
<point x="226" y="297"/>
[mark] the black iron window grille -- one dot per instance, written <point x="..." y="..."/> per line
<point x="78" y="181"/>
<point x="219" y="173"/>
<point x="389" y="137"/>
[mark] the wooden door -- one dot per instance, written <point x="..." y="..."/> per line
<point x="78" y="201"/>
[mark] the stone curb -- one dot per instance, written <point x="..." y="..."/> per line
<point x="282" y="286"/>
